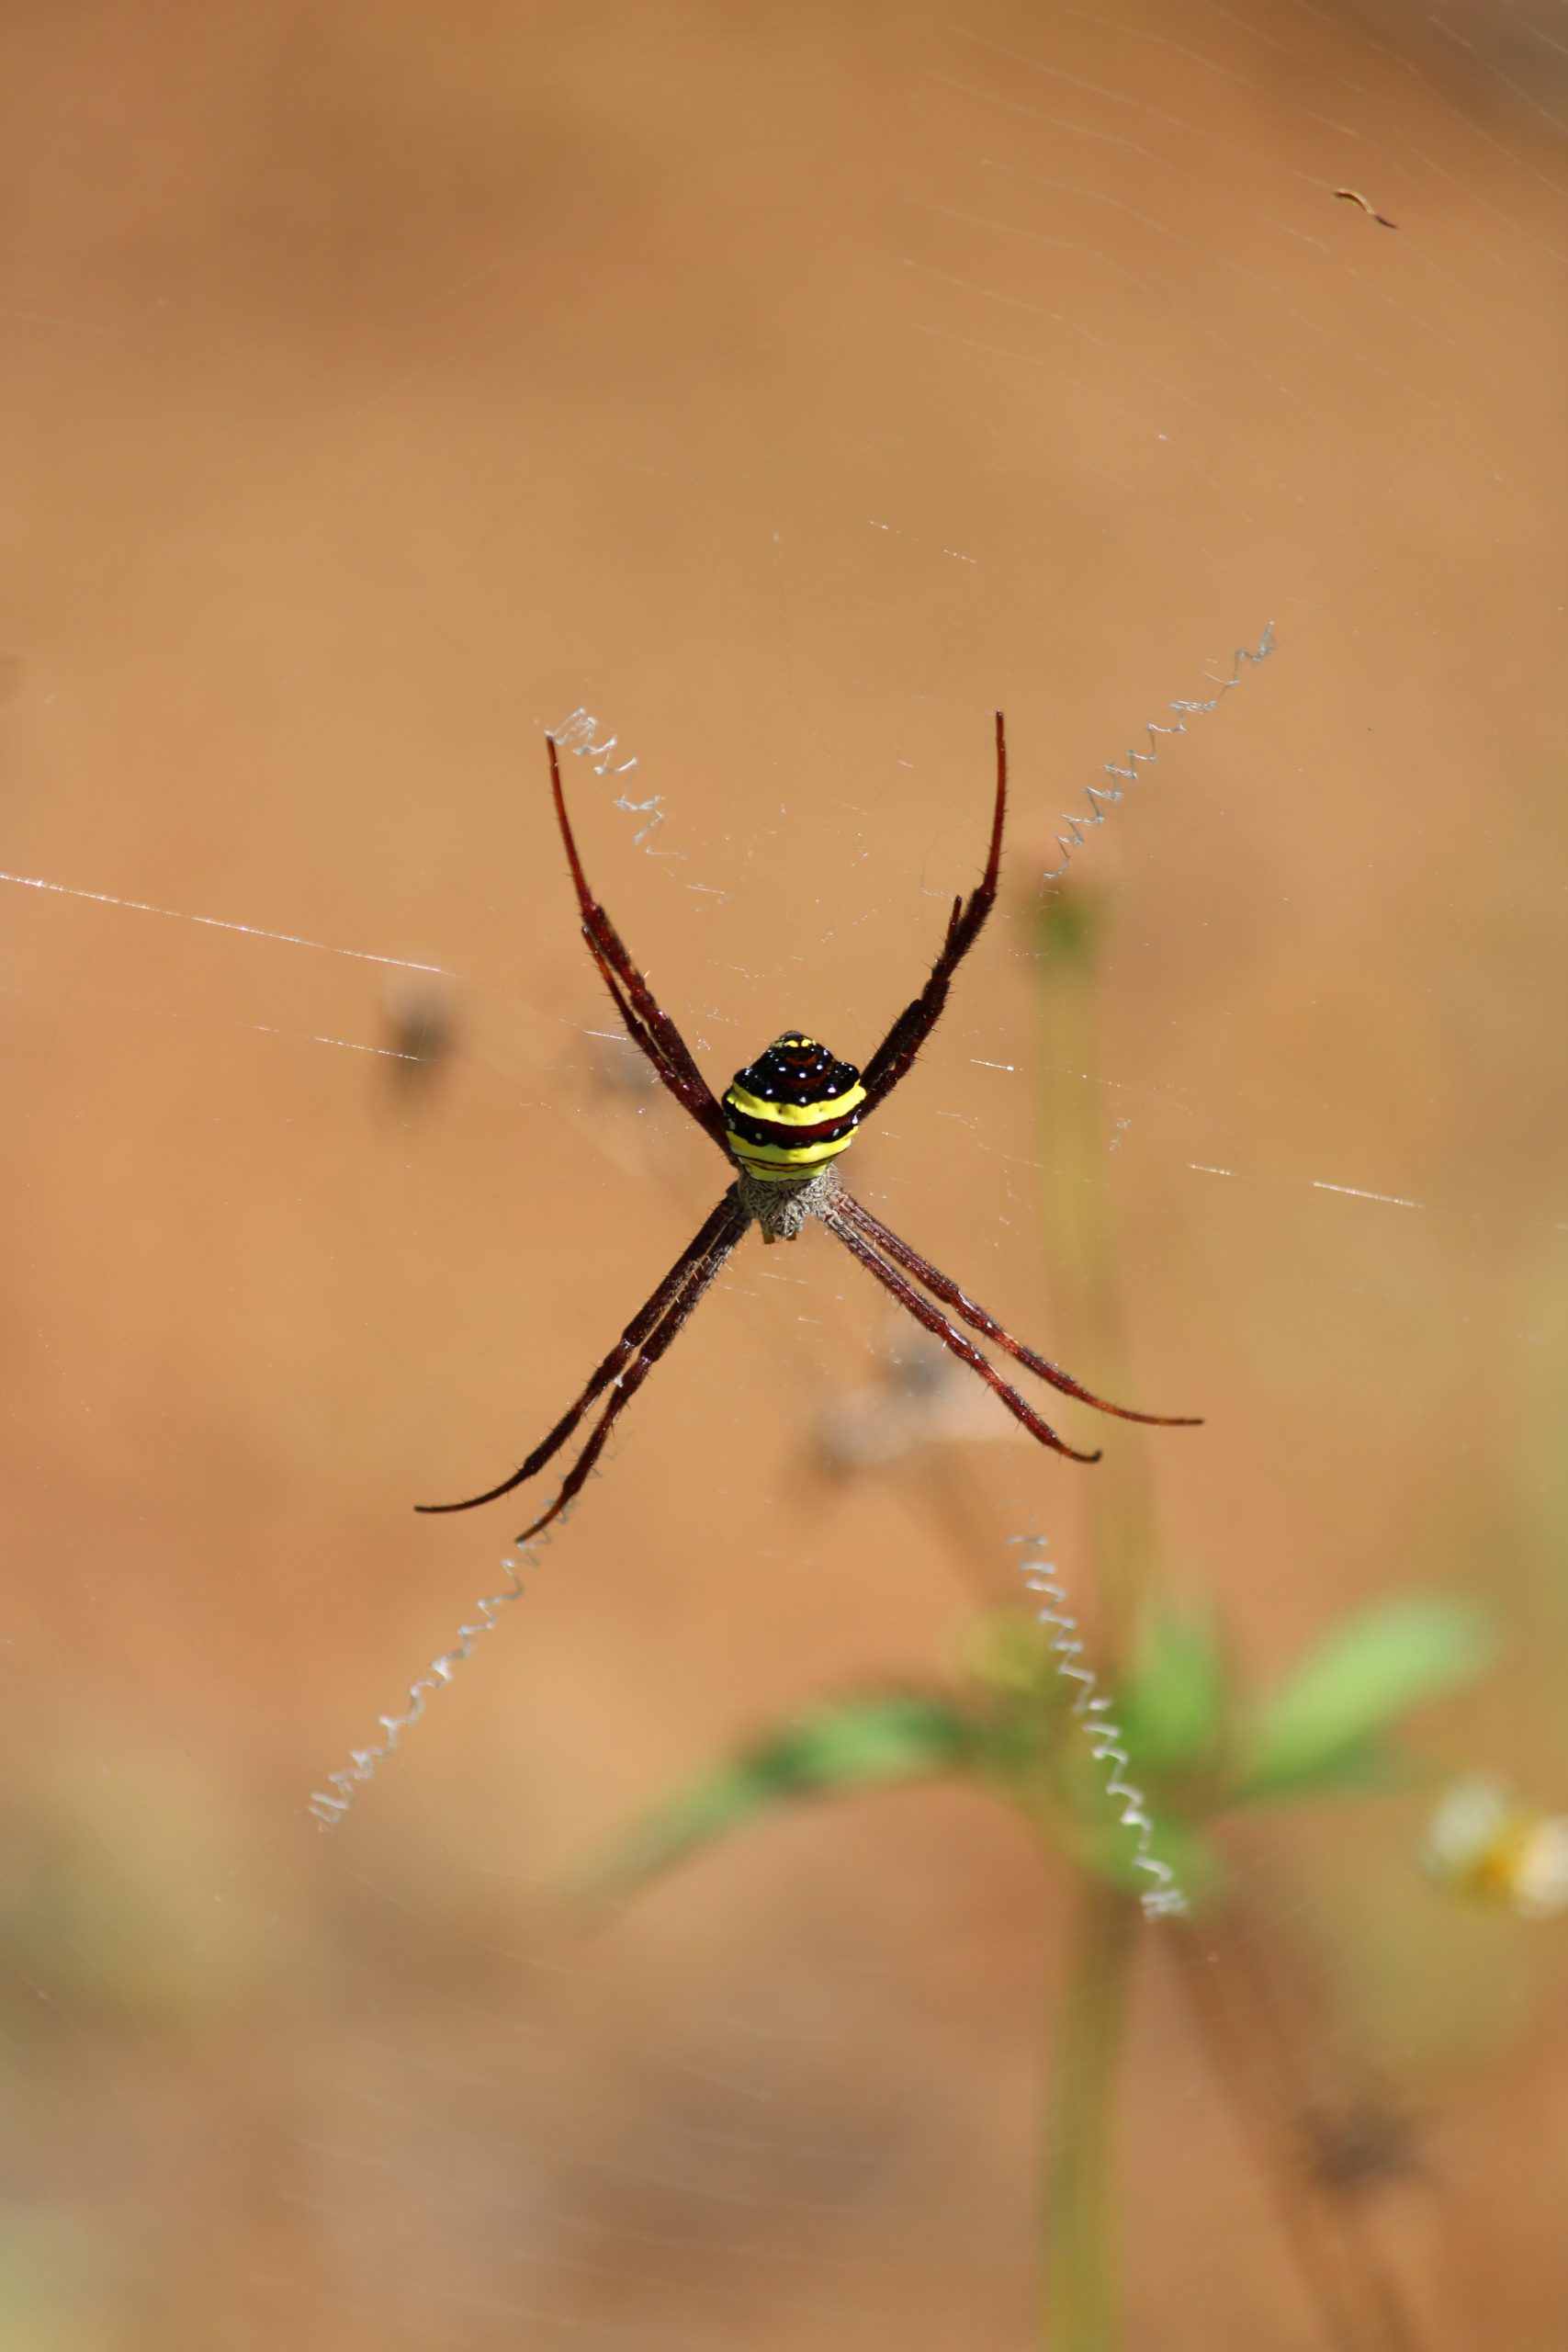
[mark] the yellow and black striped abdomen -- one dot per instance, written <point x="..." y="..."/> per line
<point x="787" y="1115"/>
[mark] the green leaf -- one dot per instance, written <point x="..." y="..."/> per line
<point x="1010" y="1654"/>
<point x="1173" y="1705"/>
<point x="1320" y="1728"/>
<point x="893" y="1736"/>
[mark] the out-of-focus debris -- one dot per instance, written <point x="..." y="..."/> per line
<point x="1354" y="196"/>
<point x="418" y="1022"/>
<point x="919" y="1395"/>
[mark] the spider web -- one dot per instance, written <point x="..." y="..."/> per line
<point x="780" y="392"/>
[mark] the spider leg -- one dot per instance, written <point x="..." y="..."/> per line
<point x="637" y="1029"/>
<point x="714" y="1243"/>
<point x="626" y="1387"/>
<point x="895" y="1055"/>
<point x="942" y="1286"/>
<point x="649" y="1025"/>
<point x="941" y="1329"/>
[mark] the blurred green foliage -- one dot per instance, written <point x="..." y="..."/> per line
<point x="1201" y="1745"/>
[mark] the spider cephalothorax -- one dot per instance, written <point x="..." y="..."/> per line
<point x="782" y="1122"/>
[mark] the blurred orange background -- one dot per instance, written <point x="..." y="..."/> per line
<point x="788" y="388"/>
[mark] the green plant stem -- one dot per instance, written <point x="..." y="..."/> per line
<point x="1078" y="2200"/>
<point x="1079" y="1224"/>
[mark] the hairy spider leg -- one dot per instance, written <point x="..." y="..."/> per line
<point x="895" y="1055"/>
<point x="719" y="1234"/>
<point x="941" y="1329"/>
<point x="636" y="1030"/>
<point x="942" y="1286"/>
<point x="652" y="1029"/>
<point x="698" y="1279"/>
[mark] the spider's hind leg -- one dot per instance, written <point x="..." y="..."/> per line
<point x="703" y="1272"/>
<point x="674" y="1299"/>
<point x="943" y="1287"/>
<point x="936" y="1323"/>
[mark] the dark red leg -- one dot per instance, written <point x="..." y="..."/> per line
<point x="642" y="1363"/>
<point x="941" y="1329"/>
<point x="648" y="1023"/>
<point x="943" y="1287"/>
<point x="895" y="1055"/>
<point x="693" y="1267"/>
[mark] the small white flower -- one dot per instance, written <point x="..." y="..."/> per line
<point x="1498" y="1849"/>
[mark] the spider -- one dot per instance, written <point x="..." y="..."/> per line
<point x="781" y="1125"/>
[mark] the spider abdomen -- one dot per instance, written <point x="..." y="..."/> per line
<point x="792" y="1109"/>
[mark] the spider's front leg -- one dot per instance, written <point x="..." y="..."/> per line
<point x="648" y="1024"/>
<point x="895" y="1058"/>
